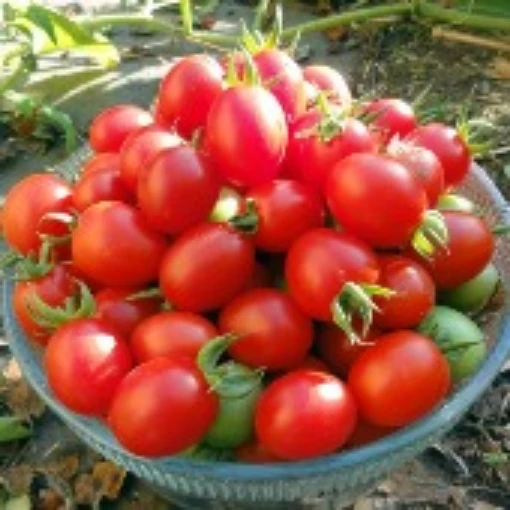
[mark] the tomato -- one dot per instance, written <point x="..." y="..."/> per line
<point x="414" y="293"/>
<point x="451" y="150"/>
<point x="206" y="267"/>
<point x="140" y="148"/>
<point x="473" y="295"/>
<point x="85" y="361"/>
<point x="253" y="452"/>
<point x="469" y="249"/>
<point x="390" y="117"/>
<point x="285" y="210"/>
<point x="117" y="307"/>
<point x="163" y="407"/>
<point x="376" y="198"/>
<point x="253" y="151"/>
<point x="188" y="91"/>
<point x="320" y="263"/>
<point x="53" y="288"/>
<point x="459" y="338"/>
<point x="315" y="146"/>
<point x="416" y="379"/>
<point x="274" y="333"/>
<point x="327" y="79"/>
<point x="112" y="126"/>
<point x="99" y="185"/>
<point x="305" y="414"/>
<point x="423" y="164"/>
<point x="168" y="334"/>
<point x="338" y="352"/>
<point x="113" y="245"/>
<point x="25" y="206"/>
<point x="110" y="160"/>
<point x="177" y="190"/>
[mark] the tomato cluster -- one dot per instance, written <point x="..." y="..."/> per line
<point x="254" y="265"/>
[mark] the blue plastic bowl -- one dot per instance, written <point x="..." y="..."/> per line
<point x="327" y="482"/>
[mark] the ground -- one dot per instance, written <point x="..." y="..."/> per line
<point x="471" y="467"/>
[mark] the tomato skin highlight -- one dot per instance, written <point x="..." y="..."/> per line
<point x="113" y="245"/>
<point x="273" y="331"/>
<point x="400" y="379"/>
<point x="300" y="402"/>
<point x="85" y="361"/>
<point x="162" y="407"/>
<point x="205" y="267"/>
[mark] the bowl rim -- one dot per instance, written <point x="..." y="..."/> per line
<point x="445" y="415"/>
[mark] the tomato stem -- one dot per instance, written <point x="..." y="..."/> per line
<point x="430" y="235"/>
<point x="246" y="222"/>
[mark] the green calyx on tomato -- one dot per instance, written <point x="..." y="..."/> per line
<point x="247" y="221"/>
<point x="356" y="300"/>
<point x="227" y="206"/>
<point x="30" y="267"/>
<point x="453" y="202"/>
<point x="431" y="235"/>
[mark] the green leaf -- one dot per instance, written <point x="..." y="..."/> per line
<point x="40" y="17"/>
<point x="12" y="428"/>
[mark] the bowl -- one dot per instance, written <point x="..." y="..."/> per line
<point x="327" y="482"/>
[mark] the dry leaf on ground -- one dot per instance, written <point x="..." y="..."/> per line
<point x="108" y="479"/>
<point x="500" y="68"/>
<point x="18" y="479"/>
<point x="22" y="400"/>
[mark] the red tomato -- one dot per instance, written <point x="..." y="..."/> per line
<point x="451" y="150"/>
<point x="305" y="414"/>
<point x="116" y="307"/>
<point x="416" y="377"/>
<point x="469" y="249"/>
<point x="314" y="150"/>
<point x="162" y="407"/>
<point x="177" y="190"/>
<point x="168" y="334"/>
<point x="206" y="267"/>
<point x="187" y="93"/>
<point x="139" y="150"/>
<point x="252" y="152"/>
<point x="285" y="210"/>
<point x="376" y="199"/>
<point x="53" y="288"/>
<point x="112" y="126"/>
<point x="113" y="245"/>
<point x="391" y="117"/>
<point x="423" y="164"/>
<point x="110" y="160"/>
<point x="254" y="453"/>
<point x="25" y="206"/>
<point x="85" y="360"/>
<point x="99" y="185"/>
<point x="320" y="263"/>
<point x="414" y="296"/>
<point x="273" y="332"/>
<point x="327" y="79"/>
<point x="338" y="352"/>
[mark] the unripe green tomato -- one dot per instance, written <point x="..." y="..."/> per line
<point x="459" y="338"/>
<point x="227" y="206"/>
<point x="474" y="295"/>
<point x="453" y="202"/>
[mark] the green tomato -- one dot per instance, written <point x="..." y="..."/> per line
<point x="473" y="295"/>
<point x="453" y="202"/>
<point x="227" y="206"/>
<point x="459" y="338"/>
<point x="234" y="422"/>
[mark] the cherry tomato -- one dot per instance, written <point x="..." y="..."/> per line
<point x="376" y="199"/>
<point x="253" y="151"/>
<point x="112" y="126"/>
<point x="451" y="150"/>
<point x="320" y="263"/>
<point x="110" y="160"/>
<point x="285" y="210"/>
<point x="416" y="379"/>
<point x="139" y="150"/>
<point x="25" y="207"/>
<point x="85" y="361"/>
<point x="305" y="414"/>
<point x="168" y="334"/>
<point x="177" y="190"/>
<point x="187" y="93"/>
<point x="414" y="293"/>
<point x="117" y="307"/>
<point x="326" y="79"/>
<point x="206" y="267"/>
<point x="469" y="249"/>
<point x="163" y="407"/>
<point x="274" y="333"/>
<point x="113" y="245"/>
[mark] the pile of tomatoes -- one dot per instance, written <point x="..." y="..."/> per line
<point x="260" y="264"/>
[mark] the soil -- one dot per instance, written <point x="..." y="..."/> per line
<point x="470" y="468"/>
